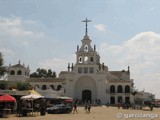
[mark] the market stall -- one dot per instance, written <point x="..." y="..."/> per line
<point x="5" y="105"/>
<point x="33" y="96"/>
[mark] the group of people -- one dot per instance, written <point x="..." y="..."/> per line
<point x="87" y="108"/>
<point x="24" y="106"/>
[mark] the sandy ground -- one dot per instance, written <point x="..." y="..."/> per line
<point x="97" y="113"/>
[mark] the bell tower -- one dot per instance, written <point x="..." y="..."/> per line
<point x="86" y="54"/>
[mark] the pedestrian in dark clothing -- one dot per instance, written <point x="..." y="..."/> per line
<point x="108" y="104"/>
<point x="43" y="107"/>
<point x="89" y="108"/>
<point x="119" y="105"/>
<point x="75" y="108"/>
<point x="86" y="108"/>
<point x="19" y="110"/>
<point x="151" y="107"/>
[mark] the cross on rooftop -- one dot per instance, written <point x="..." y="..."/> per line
<point x="86" y="21"/>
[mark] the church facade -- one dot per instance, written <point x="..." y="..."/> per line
<point x="87" y="80"/>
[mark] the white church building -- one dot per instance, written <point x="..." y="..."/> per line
<point x="87" y="80"/>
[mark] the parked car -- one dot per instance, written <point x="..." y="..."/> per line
<point x="59" y="108"/>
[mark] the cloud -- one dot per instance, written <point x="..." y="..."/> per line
<point x="7" y="52"/>
<point x="25" y="43"/>
<point x="151" y="9"/>
<point x="57" y="64"/>
<point x="17" y="28"/>
<point x="143" y="48"/>
<point x="100" y="27"/>
<point x="142" y="52"/>
<point x="19" y="37"/>
<point x="13" y="26"/>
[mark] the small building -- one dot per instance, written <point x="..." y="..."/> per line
<point x="18" y="72"/>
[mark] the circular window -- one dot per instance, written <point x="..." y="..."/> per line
<point x="86" y="59"/>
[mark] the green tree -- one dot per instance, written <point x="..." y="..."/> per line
<point x="49" y="73"/>
<point x="34" y="75"/>
<point x="2" y="67"/>
<point x="1" y="59"/>
<point x="3" y="85"/>
<point x="54" y="74"/>
<point x="43" y="73"/>
<point x="23" y="86"/>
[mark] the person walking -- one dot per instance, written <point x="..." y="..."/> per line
<point x="119" y="105"/>
<point x="86" y="108"/>
<point x="89" y="108"/>
<point x="151" y="107"/>
<point x="75" y="108"/>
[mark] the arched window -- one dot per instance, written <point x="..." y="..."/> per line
<point x="119" y="89"/>
<point x="127" y="89"/>
<point x="59" y="87"/>
<point x="19" y="72"/>
<point x="120" y="99"/>
<point x="36" y="86"/>
<point x="12" y="72"/>
<point x="52" y="86"/>
<point x="112" y="89"/>
<point x="91" y="60"/>
<point x="86" y="48"/>
<point x="80" y="59"/>
<point x="44" y="87"/>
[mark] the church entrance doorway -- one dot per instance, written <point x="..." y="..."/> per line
<point x="85" y="89"/>
<point x="86" y="96"/>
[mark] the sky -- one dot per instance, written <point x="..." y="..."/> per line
<point x="45" y="34"/>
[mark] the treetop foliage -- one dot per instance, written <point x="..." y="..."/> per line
<point x="23" y="86"/>
<point x="43" y="73"/>
<point x="2" y="67"/>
